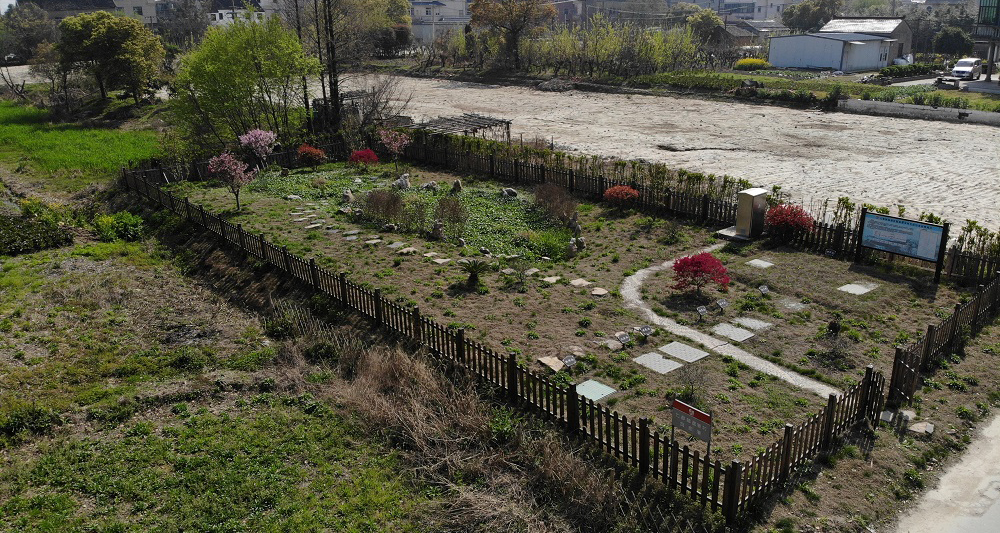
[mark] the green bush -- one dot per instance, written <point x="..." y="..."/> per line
<point x="24" y="235"/>
<point x="121" y="226"/>
<point x="904" y="71"/>
<point x="751" y="63"/>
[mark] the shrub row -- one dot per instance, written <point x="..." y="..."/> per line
<point x="20" y="235"/>
<point x="904" y="71"/>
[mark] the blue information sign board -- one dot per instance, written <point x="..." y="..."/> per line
<point x="911" y="238"/>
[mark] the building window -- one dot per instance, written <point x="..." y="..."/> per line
<point x="137" y="10"/>
<point x="213" y="16"/>
<point x="427" y="11"/>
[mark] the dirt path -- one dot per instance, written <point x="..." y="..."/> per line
<point x="632" y="295"/>
<point x="941" y="167"/>
<point x="966" y="499"/>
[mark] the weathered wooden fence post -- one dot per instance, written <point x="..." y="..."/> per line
<point x="731" y="497"/>
<point x="955" y="329"/>
<point x="204" y="218"/>
<point x="643" y="447"/>
<point x="314" y="272"/>
<point x="493" y="170"/>
<point x="571" y="181"/>
<point x="222" y="230"/>
<point x="704" y="208"/>
<point x="379" y="309"/>
<point x="342" y="278"/>
<point x="187" y="208"/>
<point x="572" y="411"/>
<point x="417" y="333"/>
<point x="460" y="346"/>
<point x="512" y="378"/>
<point x="786" y="452"/>
<point x="828" y="418"/>
<point x="864" y="406"/>
<point x="286" y="259"/>
<point x="242" y="238"/>
<point x="925" y="354"/>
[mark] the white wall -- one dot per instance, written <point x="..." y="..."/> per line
<point x="805" y="51"/>
<point x="868" y="56"/>
<point x="894" y="109"/>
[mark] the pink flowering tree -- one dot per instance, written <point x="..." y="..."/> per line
<point x="395" y="142"/>
<point x="260" y="142"/>
<point x="232" y="172"/>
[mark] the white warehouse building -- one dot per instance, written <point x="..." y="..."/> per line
<point x="849" y="52"/>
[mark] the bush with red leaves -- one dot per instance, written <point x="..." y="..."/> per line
<point x="310" y="155"/>
<point x="698" y="270"/>
<point x="621" y="195"/>
<point x="783" y="221"/>
<point x="363" y="157"/>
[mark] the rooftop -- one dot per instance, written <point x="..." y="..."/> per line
<point x="862" y="25"/>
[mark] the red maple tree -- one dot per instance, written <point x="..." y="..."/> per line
<point x="783" y="221"/>
<point x="698" y="270"/>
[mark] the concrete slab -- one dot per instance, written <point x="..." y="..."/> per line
<point x="594" y="390"/>
<point x="858" y="288"/>
<point x="552" y="279"/>
<point x="760" y="263"/>
<point x="732" y="332"/>
<point x="752" y="323"/>
<point x="599" y="292"/>
<point x="688" y="354"/>
<point x="441" y="261"/>
<point x="580" y="282"/>
<point x="657" y="362"/>
<point x="397" y="244"/>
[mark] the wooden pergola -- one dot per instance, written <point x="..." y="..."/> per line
<point x="469" y="124"/>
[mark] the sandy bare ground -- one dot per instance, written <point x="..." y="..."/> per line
<point x="946" y="168"/>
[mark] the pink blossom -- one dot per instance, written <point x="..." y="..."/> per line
<point x="261" y="142"/>
<point x="232" y="172"/>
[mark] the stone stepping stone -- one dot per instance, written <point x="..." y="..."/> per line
<point x="508" y="271"/>
<point x="373" y="242"/>
<point x="313" y="226"/>
<point x="657" y="362"/>
<point x="407" y="251"/>
<point x="688" y="354"/>
<point x="552" y="279"/>
<point x="333" y="231"/>
<point x="612" y="344"/>
<point x="397" y="244"/>
<point x="296" y="213"/>
<point x="599" y="292"/>
<point x="921" y="428"/>
<point x="791" y="305"/>
<point x="531" y="272"/>
<point x="752" y="323"/>
<point x="351" y="238"/>
<point x="594" y="390"/>
<point x="580" y="282"/>
<point x="310" y="216"/>
<point x="352" y="232"/>
<point x="576" y="351"/>
<point x="441" y="261"/>
<point x="760" y="263"/>
<point x="430" y="254"/>
<point x="552" y="362"/>
<point x="732" y="332"/>
<point x="858" y="288"/>
<point x="300" y="219"/>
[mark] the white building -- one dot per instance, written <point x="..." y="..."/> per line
<point x="432" y="18"/>
<point x="849" y="52"/>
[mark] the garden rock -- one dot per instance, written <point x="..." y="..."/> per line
<point x="397" y="244"/>
<point x="461" y="242"/>
<point x="313" y="226"/>
<point x="571" y="250"/>
<point x="510" y="193"/>
<point x="358" y="181"/>
<point x="403" y="182"/>
<point x="407" y="251"/>
<point x="437" y="232"/>
<point x="345" y="210"/>
<point x="430" y="186"/>
<point x="552" y="279"/>
<point x="348" y="196"/>
<point x="508" y="272"/>
<point x="552" y="362"/>
<point x="921" y="429"/>
<point x="456" y="187"/>
<point x="284" y="172"/>
<point x="580" y="243"/>
<point x="576" y="229"/>
<point x="293" y="197"/>
<point x="484" y="250"/>
<point x="613" y="345"/>
<point x="531" y="272"/>
<point x="579" y="282"/>
<point x="389" y="228"/>
<point x="599" y="292"/>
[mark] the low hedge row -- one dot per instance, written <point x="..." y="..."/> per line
<point x="20" y="235"/>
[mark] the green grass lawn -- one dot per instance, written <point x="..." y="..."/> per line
<point x="64" y="157"/>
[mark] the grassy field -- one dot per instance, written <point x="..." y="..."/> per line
<point x="63" y="158"/>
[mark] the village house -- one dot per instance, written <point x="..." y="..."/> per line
<point x="433" y="18"/>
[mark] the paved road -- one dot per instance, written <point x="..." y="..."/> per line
<point x="941" y="167"/>
<point x="966" y="499"/>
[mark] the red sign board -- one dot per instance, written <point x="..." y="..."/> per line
<point x="694" y="421"/>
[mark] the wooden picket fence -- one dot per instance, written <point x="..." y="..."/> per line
<point x="939" y="340"/>
<point x="730" y="489"/>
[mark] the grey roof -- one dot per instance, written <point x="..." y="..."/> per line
<point x="75" y="5"/>
<point x="233" y="5"/>
<point x="737" y="31"/>
<point x="862" y="25"/>
<point x="838" y="36"/>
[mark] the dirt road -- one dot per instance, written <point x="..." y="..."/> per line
<point x="946" y="168"/>
<point x="967" y="499"/>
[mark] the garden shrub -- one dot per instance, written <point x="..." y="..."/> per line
<point x="621" y="195"/>
<point x="783" y="221"/>
<point x="698" y="270"/>
<point x="453" y="214"/>
<point x="122" y="226"/>
<point x="310" y="155"/>
<point x="25" y="235"/>
<point x="904" y="71"/>
<point x="751" y="63"/>
<point x="383" y="206"/>
<point x="555" y="200"/>
<point x="364" y="157"/>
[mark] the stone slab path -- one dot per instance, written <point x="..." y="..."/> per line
<point x="630" y="291"/>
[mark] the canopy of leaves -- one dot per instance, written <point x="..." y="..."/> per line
<point x="810" y="15"/>
<point x="243" y="76"/>
<point x="953" y="41"/>
<point x="704" y="24"/>
<point x="118" y="51"/>
<point x="512" y="20"/>
<point x="698" y="270"/>
<point x="23" y="27"/>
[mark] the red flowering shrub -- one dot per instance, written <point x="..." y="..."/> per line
<point x="621" y="195"/>
<point x="697" y="270"/>
<point x="783" y="221"/>
<point x="363" y="157"/>
<point x="310" y="155"/>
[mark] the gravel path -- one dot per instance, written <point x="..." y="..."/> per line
<point x="942" y="167"/>
<point x="630" y="291"/>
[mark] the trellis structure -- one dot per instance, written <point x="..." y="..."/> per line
<point x="469" y="124"/>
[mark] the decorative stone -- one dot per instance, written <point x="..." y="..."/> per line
<point x="531" y="272"/>
<point x="657" y="363"/>
<point x="508" y="192"/>
<point x="622" y="337"/>
<point x="293" y="197"/>
<point x="389" y="228"/>
<point x="347" y="197"/>
<point x="858" y="288"/>
<point x="351" y="238"/>
<point x="397" y="244"/>
<point x="732" y="332"/>
<point x="552" y="362"/>
<point x="752" y="323"/>
<point x="345" y="210"/>
<point x="508" y="271"/>
<point x="430" y="186"/>
<point x="296" y="213"/>
<point x="886" y="417"/>
<point x="437" y="231"/>
<point x="791" y="305"/>
<point x="407" y="251"/>
<point x="908" y="414"/>
<point x="577" y="351"/>
<point x="456" y="187"/>
<point x="581" y="243"/>
<point x="352" y="232"/>
<point x="760" y="263"/>
<point x="594" y="390"/>
<point x="430" y="254"/>
<point x="313" y="226"/>
<point x="688" y="354"/>
<point x="921" y="428"/>
<point x="373" y="242"/>
<point x="645" y="331"/>
<point x="461" y="242"/>
<point x="580" y="282"/>
<point x="612" y="345"/>
<point x="599" y="292"/>
<point x="571" y="250"/>
<point x="403" y="182"/>
<point x="484" y="250"/>
<point x="441" y="261"/>
<point x="303" y="219"/>
<point x="358" y="181"/>
<point x="552" y="279"/>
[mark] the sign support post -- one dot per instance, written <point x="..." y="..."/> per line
<point x="941" y="253"/>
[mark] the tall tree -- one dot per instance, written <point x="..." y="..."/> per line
<point x="512" y="20"/>
<point x="953" y="41"/>
<point x="24" y="27"/>
<point x="810" y="15"/>
<point x="120" y="52"/>
<point x="243" y="76"/>
<point x="704" y="24"/>
<point x="185" y="23"/>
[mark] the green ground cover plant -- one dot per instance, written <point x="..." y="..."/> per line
<point x="19" y="235"/>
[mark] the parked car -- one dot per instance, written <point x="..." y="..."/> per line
<point x="970" y="68"/>
<point x="13" y="59"/>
